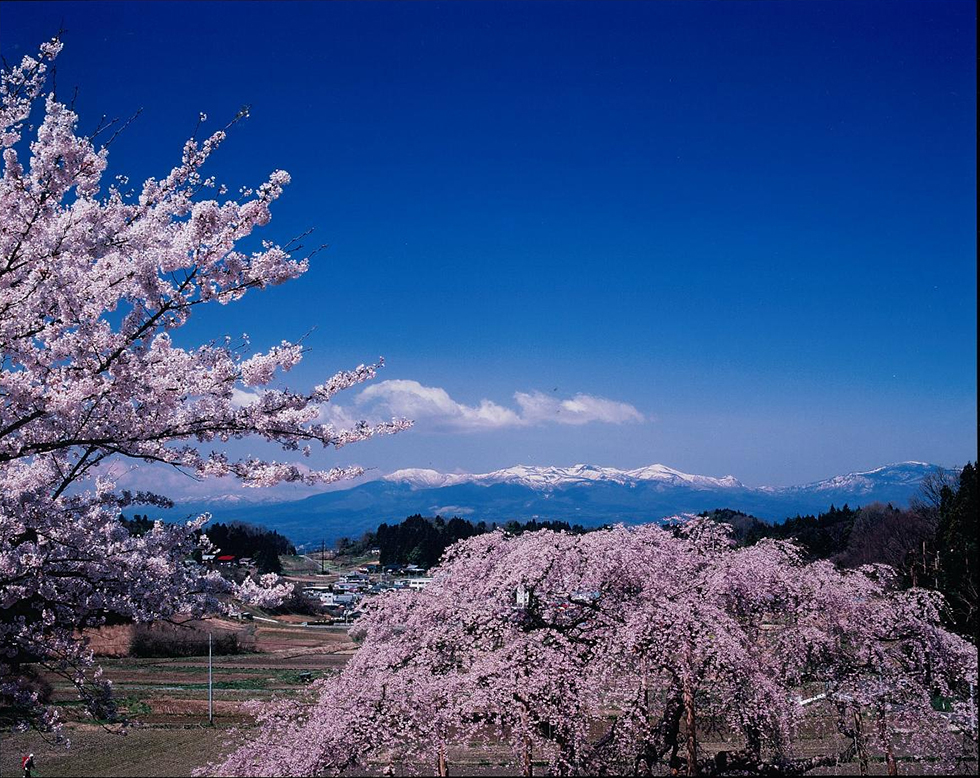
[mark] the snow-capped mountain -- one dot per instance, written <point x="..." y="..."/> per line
<point x="581" y="494"/>
<point x="549" y="478"/>
<point x="903" y="473"/>
<point x="668" y="475"/>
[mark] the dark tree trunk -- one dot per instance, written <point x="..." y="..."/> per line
<point x="859" y="747"/>
<point x="889" y="753"/>
<point x="691" y="724"/>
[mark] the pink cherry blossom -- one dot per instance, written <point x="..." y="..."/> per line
<point x="93" y="281"/>
<point x="617" y="651"/>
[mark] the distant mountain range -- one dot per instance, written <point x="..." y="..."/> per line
<point x="549" y="478"/>
<point x="582" y="494"/>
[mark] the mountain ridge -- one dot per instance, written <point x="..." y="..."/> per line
<point x="581" y="494"/>
<point x="549" y="477"/>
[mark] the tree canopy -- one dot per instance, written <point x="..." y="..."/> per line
<point x="95" y="279"/>
<point x="614" y="651"/>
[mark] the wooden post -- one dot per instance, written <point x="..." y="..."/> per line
<point x="210" y="685"/>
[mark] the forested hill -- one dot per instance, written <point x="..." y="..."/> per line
<point x="421" y="541"/>
<point x="236" y="538"/>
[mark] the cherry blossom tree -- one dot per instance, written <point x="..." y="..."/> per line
<point x="624" y="651"/>
<point x="94" y="280"/>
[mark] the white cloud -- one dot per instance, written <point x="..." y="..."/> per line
<point x="414" y="401"/>
<point x="241" y="398"/>
<point x="537" y="408"/>
<point x="432" y="404"/>
<point x="339" y="416"/>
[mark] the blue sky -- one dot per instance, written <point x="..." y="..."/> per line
<point x="731" y="237"/>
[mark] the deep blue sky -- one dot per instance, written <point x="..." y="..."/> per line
<point x="754" y="222"/>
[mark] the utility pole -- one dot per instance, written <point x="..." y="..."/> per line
<point x="321" y="557"/>
<point x="210" y="685"/>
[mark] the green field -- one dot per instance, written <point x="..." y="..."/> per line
<point x="169" y="699"/>
<point x="149" y="751"/>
